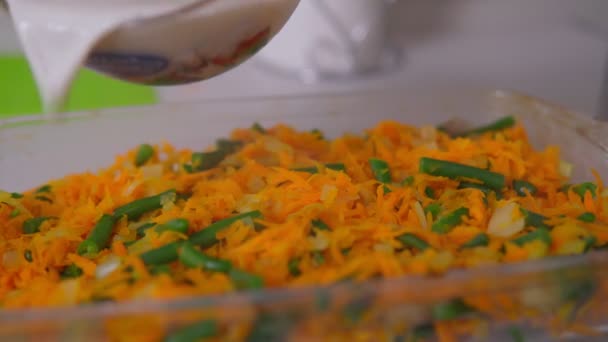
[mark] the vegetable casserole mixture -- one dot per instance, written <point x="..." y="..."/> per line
<point x="277" y="207"/>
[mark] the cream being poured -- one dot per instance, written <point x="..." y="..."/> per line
<point x="59" y="36"/>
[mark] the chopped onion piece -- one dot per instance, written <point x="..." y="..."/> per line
<point x="256" y="184"/>
<point x="328" y="193"/>
<point x="248" y="221"/>
<point x="319" y="242"/>
<point x="70" y="289"/>
<point x="541" y="298"/>
<point x="565" y="169"/>
<point x="10" y="259"/>
<point x="108" y="266"/>
<point x="168" y="201"/>
<point x="420" y="214"/>
<point x="248" y="203"/>
<point x="152" y="171"/>
<point x="129" y="189"/>
<point x="383" y="247"/>
<point x="505" y="223"/>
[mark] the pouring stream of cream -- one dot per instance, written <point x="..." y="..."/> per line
<point x="57" y="35"/>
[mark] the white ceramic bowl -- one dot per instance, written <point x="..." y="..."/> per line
<point x="194" y="44"/>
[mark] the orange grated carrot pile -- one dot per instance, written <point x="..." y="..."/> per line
<point x="326" y="215"/>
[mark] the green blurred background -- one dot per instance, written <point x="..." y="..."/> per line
<point x="19" y="95"/>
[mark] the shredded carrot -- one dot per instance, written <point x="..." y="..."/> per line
<point x="326" y="217"/>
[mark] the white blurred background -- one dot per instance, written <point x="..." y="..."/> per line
<point x="554" y="49"/>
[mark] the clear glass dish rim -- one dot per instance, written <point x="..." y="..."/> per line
<point x="492" y="275"/>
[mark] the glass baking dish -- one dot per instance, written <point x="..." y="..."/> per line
<point x="563" y="297"/>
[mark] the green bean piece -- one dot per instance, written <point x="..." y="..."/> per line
<point x="245" y="281"/>
<point x="28" y="255"/>
<point x="258" y="128"/>
<point x="71" y="271"/>
<point x="32" y="226"/>
<point x="141" y="230"/>
<point x="193" y="258"/>
<point x="44" y="199"/>
<point x="207" y="237"/>
<point x="442" y="168"/>
<point x="14" y="213"/>
<point x="129" y="243"/>
<point x="161" y="255"/>
<point x="229" y="146"/>
<point x="486" y="190"/>
<point x="320" y="225"/>
<point x="144" y="153"/>
<point x="534" y="219"/>
<point x="178" y="225"/>
<point x="422" y="332"/>
<point x="16" y="195"/>
<point x="498" y="125"/>
<point x="522" y="186"/>
<point x="323" y="300"/>
<point x="541" y="234"/>
<point x="44" y="189"/>
<point x="429" y="192"/>
<point x="578" y="290"/>
<point x="453" y="309"/>
<point x="381" y="170"/>
<point x="354" y="311"/>
<point x="589" y="243"/>
<point x="195" y="332"/>
<point x="318" y="133"/>
<point x="587" y="217"/>
<point x="444" y="224"/>
<point x="88" y="247"/>
<point x="409" y="180"/>
<point x="311" y="169"/>
<point x="444" y="128"/>
<point x="478" y="240"/>
<point x="582" y="188"/>
<point x="294" y="267"/>
<point x="137" y="208"/>
<point x="99" y="237"/>
<point x="480" y="187"/>
<point x="434" y="209"/>
<point x="516" y="334"/>
<point x="184" y="196"/>
<point x="336" y="167"/>
<point x="318" y="258"/>
<point x="204" y="238"/>
<point x="413" y="241"/>
<point x="203" y="161"/>
<point x="272" y="327"/>
<point x="160" y="269"/>
<point x="314" y="170"/>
